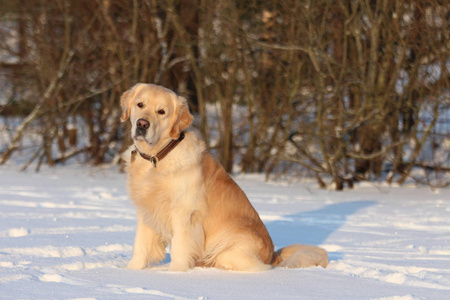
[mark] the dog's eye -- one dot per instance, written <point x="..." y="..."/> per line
<point x="161" y="112"/>
<point x="140" y="105"/>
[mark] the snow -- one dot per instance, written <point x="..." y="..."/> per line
<point x="67" y="233"/>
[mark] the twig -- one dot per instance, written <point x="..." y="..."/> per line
<point x="53" y="85"/>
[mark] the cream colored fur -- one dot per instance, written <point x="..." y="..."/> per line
<point x="189" y="202"/>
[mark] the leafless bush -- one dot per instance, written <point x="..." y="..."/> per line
<point x="349" y="90"/>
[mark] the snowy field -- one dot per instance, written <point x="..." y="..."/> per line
<point x="67" y="233"/>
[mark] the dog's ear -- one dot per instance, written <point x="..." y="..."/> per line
<point x="183" y="118"/>
<point x="125" y="102"/>
<point x="126" y="106"/>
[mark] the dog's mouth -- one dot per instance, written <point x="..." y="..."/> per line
<point x="141" y="137"/>
<point x="139" y="134"/>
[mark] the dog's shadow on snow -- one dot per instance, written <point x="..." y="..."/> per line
<point x="314" y="227"/>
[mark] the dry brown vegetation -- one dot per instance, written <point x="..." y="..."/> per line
<point x="346" y="90"/>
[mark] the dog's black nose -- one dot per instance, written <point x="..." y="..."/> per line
<point x="143" y="124"/>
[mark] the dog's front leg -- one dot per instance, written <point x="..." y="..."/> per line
<point x="187" y="241"/>
<point x="148" y="247"/>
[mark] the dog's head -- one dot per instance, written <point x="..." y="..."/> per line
<point x="156" y="113"/>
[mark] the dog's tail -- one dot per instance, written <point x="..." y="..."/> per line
<point x="300" y="256"/>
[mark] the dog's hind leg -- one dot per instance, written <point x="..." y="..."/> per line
<point x="238" y="259"/>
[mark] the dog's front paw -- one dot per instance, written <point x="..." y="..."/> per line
<point x="136" y="264"/>
<point x="180" y="267"/>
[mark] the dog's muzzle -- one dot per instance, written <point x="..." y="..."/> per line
<point x="141" y="127"/>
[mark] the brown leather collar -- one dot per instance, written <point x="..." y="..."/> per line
<point x="154" y="159"/>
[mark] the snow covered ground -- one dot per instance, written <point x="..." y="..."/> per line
<point x="67" y="233"/>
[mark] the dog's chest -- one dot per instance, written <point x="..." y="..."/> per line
<point x="153" y="197"/>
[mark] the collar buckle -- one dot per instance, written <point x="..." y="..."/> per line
<point x="154" y="160"/>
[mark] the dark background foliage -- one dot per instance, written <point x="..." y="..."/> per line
<point x="340" y="90"/>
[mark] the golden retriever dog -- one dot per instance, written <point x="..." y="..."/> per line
<point x="184" y="199"/>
